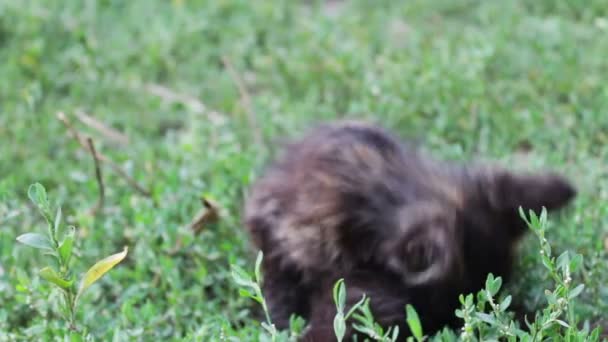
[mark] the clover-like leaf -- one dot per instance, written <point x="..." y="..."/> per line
<point x="493" y="284"/>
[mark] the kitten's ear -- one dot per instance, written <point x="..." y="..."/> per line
<point x="505" y="190"/>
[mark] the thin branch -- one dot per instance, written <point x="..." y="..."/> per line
<point x="132" y="182"/>
<point x="102" y="128"/>
<point x="102" y="192"/>
<point x="245" y="100"/>
<point x="190" y="102"/>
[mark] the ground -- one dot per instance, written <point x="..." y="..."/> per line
<point x="206" y="91"/>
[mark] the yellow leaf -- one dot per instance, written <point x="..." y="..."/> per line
<point x="99" y="269"/>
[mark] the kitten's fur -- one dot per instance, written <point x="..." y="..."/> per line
<point x="349" y="199"/>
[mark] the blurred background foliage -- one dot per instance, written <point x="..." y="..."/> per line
<point x="521" y="82"/>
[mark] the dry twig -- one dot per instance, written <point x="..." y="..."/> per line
<point x="207" y="215"/>
<point x="132" y="182"/>
<point x="190" y="102"/>
<point x="245" y="100"/>
<point x="102" y="128"/>
<point x="98" y="176"/>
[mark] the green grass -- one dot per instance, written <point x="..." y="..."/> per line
<point x="472" y="79"/>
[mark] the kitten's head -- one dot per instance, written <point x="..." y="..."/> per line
<point x="441" y="238"/>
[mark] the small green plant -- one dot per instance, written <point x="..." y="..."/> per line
<point x="59" y="247"/>
<point x="486" y="316"/>
<point x="251" y="287"/>
<point x="549" y="323"/>
<point x="488" y="319"/>
<point x="365" y="322"/>
<point x="368" y="326"/>
<point x="487" y="323"/>
<point x="341" y="317"/>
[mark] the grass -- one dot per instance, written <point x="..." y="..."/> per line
<point x="522" y="82"/>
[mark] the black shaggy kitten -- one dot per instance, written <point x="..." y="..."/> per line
<point x="349" y="196"/>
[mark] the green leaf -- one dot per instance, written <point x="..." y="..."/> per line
<point x="482" y="297"/>
<point x="246" y="293"/>
<point x="35" y="240"/>
<point x="534" y="223"/>
<point x="505" y="303"/>
<point x="547" y="249"/>
<point x="468" y="301"/>
<point x="493" y="284"/>
<point x="563" y="261"/>
<point x="356" y="306"/>
<point x="486" y="317"/>
<point x="258" y="264"/>
<point x="395" y="333"/>
<point x="459" y="313"/>
<point x="595" y="334"/>
<point x="365" y="330"/>
<point x="576" y="291"/>
<point x="340" y="295"/>
<point x="241" y="277"/>
<point x="65" y="249"/>
<point x="413" y="321"/>
<point x="522" y="214"/>
<point x="489" y="281"/>
<point x="50" y="275"/>
<point x="99" y="269"/>
<point x="76" y="336"/>
<point x="576" y="262"/>
<point x="258" y="299"/>
<point x="58" y="217"/>
<point x="269" y="328"/>
<point x="339" y="326"/>
<point x="37" y="195"/>
<point x="543" y="218"/>
<point x="547" y="262"/>
<point x="461" y="298"/>
<point x="497" y="285"/>
<point x="551" y="298"/>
